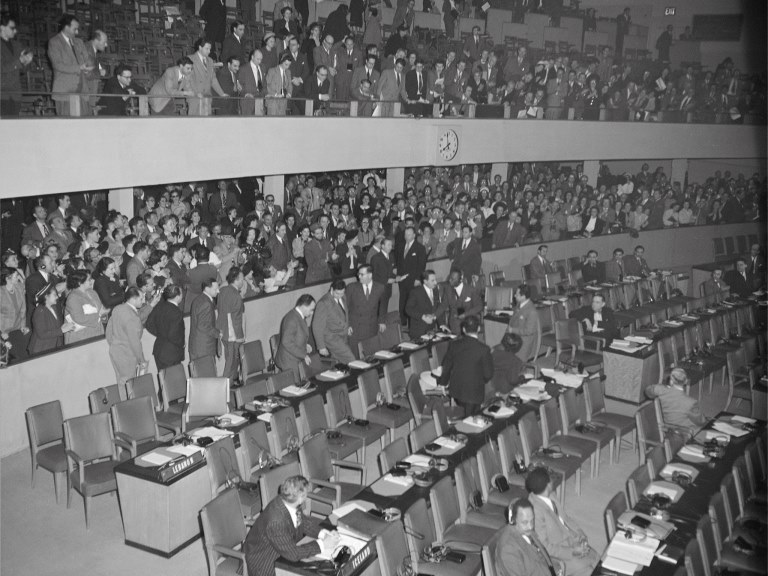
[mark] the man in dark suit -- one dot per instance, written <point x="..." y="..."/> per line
<point x="466" y="254"/>
<point x="293" y="347"/>
<point x="368" y="72"/>
<point x="166" y="324"/>
<point x="525" y="323"/>
<point x="416" y="91"/>
<point x="424" y="306"/>
<point x="41" y="278"/>
<point x="318" y="88"/>
<point x="757" y="266"/>
<point x="739" y="280"/>
<point x="203" y="334"/>
<point x="467" y="366"/>
<point x="279" y="248"/>
<point x="36" y="231"/>
<point x="461" y="300"/>
<point x="299" y="72"/>
<point x="383" y="267"/>
<point x="539" y="265"/>
<point x="411" y="263"/>
<point x="233" y="44"/>
<point x="597" y="319"/>
<point x="177" y="269"/>
<point x="119" y="85"/>
<point x="614" y="269"/>
<point x="221" y="201"/>
<point x="367" y="309"/>
<point x="713" y="287"/>
<point x="508" y="232"/>
<point x="519" y="551"/>
<point x="635" y="265"/>
<point x="280" y="527"/>
<point x="330" y="325"/>
<point x="591" y="224"/>
<point x="227" y="76"/>
<point x="229" y="321"/>
<point x="592" y="270"/>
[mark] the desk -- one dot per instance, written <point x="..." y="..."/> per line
<point x="361" y="565"/>
<point x="627" y="374"/>
<point x="161" y="517"/>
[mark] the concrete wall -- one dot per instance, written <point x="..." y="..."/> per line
<point x="69" y="375"/>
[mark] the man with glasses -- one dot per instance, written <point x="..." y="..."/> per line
<point x="319" y="90"/>
<point x="119" y="85"/>
<point x="13" y="60"/>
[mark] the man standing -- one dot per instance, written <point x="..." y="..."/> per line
<point x="233" y="44"/>
<point x="597" y="319"/>
<point x="391" y="88"/>
<point x="252" y="78"/>
<point x="318" y="89"/>
<point x="508" y="232"/>
<point x="424" y="307"/>
<point x="138" y="263"/>
<point x="519" y="551"/>
<point x="663" y="44"/>
<point x="12" y="60"/>
<point x="279" y="86"/>
<point x="461" y="300"/>
<point x="174" y="83"/>
<point x="540" y="266"/>
<point x="214" y="13"/>
<point x="366" y="72"/>
<point x="229" y="83"/>
<point x="348" y="59"/>
<point x="739" y="280"/>
<point x="203" y="78"/>
<point x="367" y="311"/>
<point x="383" y="268"/>
<point x="330" y="325"/>
<point x="293" y="347"/>
<point x="166" y="324"/>
<point x="757" y="266"/>
<point x="94" y="70"/>
<point x="467" y="367"/>
<point x="410" y="265"/>
<point x="278" y="246"/>
<point x="229" y="321"/>
<point x="66" y="53"/>
<point x="467" y="254"/>
<point x="623" y="21"/>
<point x="525" y="323"/>
<point x="123" y="334"/>
<point x="203" y="335"/>
<point x="37" y="231"/>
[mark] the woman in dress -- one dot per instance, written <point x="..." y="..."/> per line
<point x="48" y="326"/>
<point x="83" y="309"/>
<point x="373" y="34"/>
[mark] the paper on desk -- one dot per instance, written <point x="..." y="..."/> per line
<point x="532" y="390"/>
<point x="213" y="433"/>
<point x="620" y="566"/>
<point x="669" y="471"/>
<point x="359" y="365"/>
<point x="419" y="460"/>
<point x="743" y="419"/>
<point x="631" y="551"/>
<point x="639" y="339"/>
<point x="154" y="458"/>
<point x="729" y="429"/>
<point x="502" y="412"/>
<point x="448" y="443"/>
<point x="355" y="544"/>
<point x="475" y="421"/>
<point x="235" y="419"/>
<point x="265" y="417"/>
<point x="182" y="450"/>
<point x="409" y="345"/>
<point x="385" y="355"/>
<point x="350" y="506"/>
<point x="328" y="374"/>
<point x="399" y="480"/>
<point x="673" y="491"/>
<point x="569" y="380"/>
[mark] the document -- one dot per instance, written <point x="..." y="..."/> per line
<point x="630" y="550"/>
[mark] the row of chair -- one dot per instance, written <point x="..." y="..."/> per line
<point x="729" y="247"/>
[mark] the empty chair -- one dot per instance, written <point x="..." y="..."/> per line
<point x="492" y="479"/>
<point x="145" y="386"/>
<point x="252" y="363"/>
<point x="90" y="457"/>
<point x="46" y="441"/>
<point x="421" y="404"/>
<point x="173" y="388"/>
<point x="285" y="431"/>
<point x="257" y="452"/>
<point x="280" y="380"/>
<point x="749" y="505"/>
<point x="637" y="482"/>
<point x="340" y="445"/>
<point x="571" y="344"/>
<point x="419" y="361"/>
<point x="224" y="531"/>
<point x="656" y="460"/>
<point x="705" y="535"/>
<point x="394" y="386"/>
<point x="247" y="392"/>
<point x="206" y="397"/>
<point x="695" y="563"/>
<point x="391" y="336"/>
<point x="438" y="353"/>
<point x="650" y="432"/>
<point x="725" y="533"/>
<point x="102" y="399"/>
<point x="615" y="508"/>
<point x="369" y="346"/>
<point x="392" y="452"/>
<point x="341" y="418"/>
<point x="135" y="426"/>
<point x="555" y="437"/>
<point x="224" y="471"/>
<point x="573" y="411"/>
<point x="321" y="470"/>
<point x="596" y="412"/>
<point x="474" y="509"/>
<point x="204" y="367"/>
<point x="387" y="414"/>
<point x="447" y="519"/>
<point x="422" y="435"/>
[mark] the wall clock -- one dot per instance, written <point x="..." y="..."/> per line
<point x="448" y="144"/>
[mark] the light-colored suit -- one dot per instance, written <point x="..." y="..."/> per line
<point x="279" y="88"/>
<point x="358" y="75"/>
<point x="170" y="85"/>
<point x="390" y="91"/>
<point x="516" y="557"/>
<point x="247" y="78"/>
<point x="539" y="269"/>
<point x="202" y="81"/>
<point x="292" y="349"/>
<point x="67" y="77"/>
<point x="678" y="408"/>
<point x="525" y="323"/>
<point x="561" y="536"/>
<point x="124" y="332"/>
<point x="330" y="327"/>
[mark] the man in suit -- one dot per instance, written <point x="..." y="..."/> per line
<point x="519" y="551"/>
<point x="229" y="322"/>
<point x="614" y="269"/>
<point x="416" y="92"/>
<point x="203" y="79"/>
<point x="253" y="80"/>
<point x="636" y="265"/>
<point x="507" y="366"/>
<point x="293" y="347"/>
<point x="540" y="266"/>
<point x="466" y="254"/>
<point x="714" y="286"/>
<point x="214" y="12"/>
<point x="383" y="268"/>
<point x="367" y="307"/>
<point x="13" y="59"/>
<point x="330" y="325"/>
<point x="597" y="319"/>
<point x="280" y="527"/>
<point x="138" y="263"/>
<point x="525" y="323"/>
<point x="325" y="55"/>
<point x="508" y="233"/>
<point x="592" y="224"/>
<point x="678" y="408"/>
<point x="286" y="26"/>
<point x="450" y="17"/>
<point x="460" y="299"/>
<point x="281" y="252"/>
<point x="38" y="282"/>
<point x="123" y="335"/>
<point x="557" y="531"/>
<point x="473" y="45"/>
<point x="36" y="232"/>
<point x="229" y="83"/>
<point x="174" y="83"/>
<point x="592" y="270"/>
<point x="94" y="71"/>
<point x="177" y="269"/>
<point x="120" y="86"/>
<point x="424" y="307"/>
<point x="411" y="263"/>
<point x="518" y="66"/>
<point x="203" y="334"/>
<point x="299" y="72"/>
<point x="405" y="15"/>
<point x="467" y="367"/>
<point x="233" y="44"/>
<point x="456" y="82"/>
<point x="348" y="59"/>
<point x="166" y="324"/>
<point x="740" y="280"/>
<point x="67" y="56"/>
<point x="318" y="89"/>
<point x="368" y="72"/>
<point x="391" y="88"/>
<point x="757" y="266"/>
<point x="279" y="87"/>
<point x="222" y="201"/>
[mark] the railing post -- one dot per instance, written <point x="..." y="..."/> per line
<point x="74" y="105"/>
<point x="309" y="107"/>
<point x="396" y="109"/>
<point x="571" y="113"/>
<point x="258" y="106"/>
<point x="143" y="105"/>
<point x="472" y="110"/>
<point x="436" y="110"/>
<point x="507" y="110"/>
<point x="602" y="116"/>
<point x="353" y="108"/>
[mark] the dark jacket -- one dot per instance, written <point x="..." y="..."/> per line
<point x="166" y="323"/>
<point x="467" y="366"/>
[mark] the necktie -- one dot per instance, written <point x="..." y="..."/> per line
<point x="464" y="245"/>
<point x="431" y="297"/>
<point x="367" y="290"/>
<point x="282" y="82"/>
<point x="341" y="305"/>
<point x="72" y="45"/>
<point x="205" y="64"/>
<point x="419" y="82"/>
<point x="397" y="74"/>
<point x="543" y="552"/>
<point x="368" y="74"/>
<point x="258" y="78"/>
<point x="46" y="231"/>
<point x="621" y="271"/>
<point x="299" y="517"/>
<point x="179" y="85"/>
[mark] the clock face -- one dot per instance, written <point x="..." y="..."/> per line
<point x="448" y="145"/>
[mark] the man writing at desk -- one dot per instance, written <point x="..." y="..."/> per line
<point x="280" y="526"/>
<point x="597" y="319"/>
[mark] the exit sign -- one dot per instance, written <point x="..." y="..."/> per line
<point x="669" y="11"/>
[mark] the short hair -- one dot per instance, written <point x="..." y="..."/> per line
<point x="143" y="279"/>
<point x="293" y="488"/>
<point x="132" y="292"/>
<point x="519" y="504"/>
<point x="537" y="480"/>
<point x="129" y="239"/>
<point x="207" y="282"/>
<point x="525" y="290"/>
<point x="120" y="68"/>
<point x="678" y="376"/>
<point x="41" y="296"/>
<point x="618" y="251"/>
<point x="512" y="342"/>
<point x="338" y="284"/>
<point x="76" y="279"/>
<point x="233" y="273"/>
<point x="66" y="20"/>
<point x="184" y="61"/>
<point x="97" y="33"/>
<point x="6" y="18"/>
<point x="202" y="253"/>
<point x="6" y="273"/>
<point x="364" y="267"/>
<point x="592" y="252"/>
<point x="400" y="61"/>
<point x="171" y="291"/>
<point x="200" y="42"/>
<point x="305" y="300"/>
<point x="598" y="295"/>
<point x="542" y="246"/>
<point x="234" y="25"/>
<point x="139" y="246"/>
<point x="233" y="58"/>
<point x="470" y="324"/>
<point x="640" y="247"/>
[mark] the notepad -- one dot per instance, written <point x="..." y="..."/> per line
<point x="331" y="375"/>
<point x="294" y="390"/>
<point x="502" y="412"/>
<point x="419" y="460"/>
<point x="448" y="444"/>
<point x="154" y="459"/>
<point x="385" y="355"/>
<point x="359" y="365"/>
<point x="631" y="551"/>
<point x="743" y="419"/>
<point x="182" y="450"/>
<point x="234" y="419"/>
<point x="569" y="380"/>
<point x="399" y="480"/>
<point x="620" y="566"/>
<point x="639" y="339"/>
<point x="409" y="346"/>
<point x="211" y="432"/>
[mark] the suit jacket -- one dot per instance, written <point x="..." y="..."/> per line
<point x="614" y="272"/>
<point x="738" y="284"/>
<point x="418" y="305"/>
<point x="412" y="91"/>
<point x="281" y="28"/>
<point x="168" y="86"/>
<point x="383" y="271"/>
<point x="525" y="323"/>
<point x="506" y="369"/>
<point x="467" y="302"/>
<point x="166" y="323"/>
<point x="250" y="86"/>
<point x="277" y="85"/>
<point x="594" y="273"/>
<point x="203" y="335"/>
<point x="10" y="68"/>
<point x="281" y="252"/>
<point x="560" y="536"/>
<point x="403" y="15"/>
<point x="413" y="263"/>
<point x="292" y="348"/>
<point x="231" y="86"/>
<point x="203" y="81"/>
<point x="467" y="366"/>
<point x="229" y="314"/>
<point x="710" y="288"/>
<point x="365" y="314"/>
<point x="65" y="62"/>
<point x="469" y="261"/>
<point x="219" y="209"/>
<point x="234" y="47"/>
<point x="134" y="268"/>
<point x="32" y="233"/>
<point x="347" y="264"/>
<point x="503" y="237"/>
<point x="516" y="557"/>
<point x="635" y="267"/>
<point x="273" y="536"/>
<point x="435" y="90"/>
<point x="124" y="331"/>
<point x="358" y="75"/>
<point x="33" y="284"/>
<point x="388" y="88"/>
<point x="540" y="269"/>
<point x="610" y="329"/>
<point x="299" y="69"/>
<point x="46" y="330"/>
<point x="473" y="47"/>
<point x="599" y="224"/>
<point x="678" y="408"/>
<point x="516" y="69"/>
<point x="314" y="91"/>
<point x="115" y="105"/>
<point x="316" y="254"/>
<point x="329" y="326"/>
<point x="455" y="84"/>
<point x="195" y="285"/>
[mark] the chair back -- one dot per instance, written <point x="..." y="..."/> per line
<point x="369" y="346"/>
<point x="567" y="333"/>
<point x="285" y="431"/>
<point x="510" y="448"/>
<point x="392" y="549"/>
<point x="488" y="554"/>
<point x="467" y="478"/>
<point x="416" y="398"/>
<point x="271" y="480"/>
<point x="422" y="435"/>
<point x="247" y="392"/>
<point x="595" y="396"/>
<point x="489" y="466"/>
<point x="370" y="388"/>
<point x="394" y="379"/>
<point x="498" y="297"/>
<point x="694" y="561"/>
<point x="438" y="353"/>
<point x="223" y="524"/>
<point x="719" y="517"/>
<point x="573" y="408"/>
<point x="339" y="405"/>
<point x="576" y="278"/>
<point x="440" y="417"/>
<point x="649" y="431"/>
<point x="314" y="368"/>
<point x="102" y="399"/>
<point x="44" y="424"/>
<point x="495" y="279"/>
<point x="741" y="480"/>
<point x="419" y="361"/>
<point x="637" y="482"/>
<point x="143" y="385"/>
<point x="730" y="497"/>
<point x="391" y="336"/>
<point x="315" y="458"/>
<point x="251" y="359"/>
<point x="445" y="505"/>
<point x="393" y="452"/>
<point x="207" y="397"/>
<point x="173" y="385"/>
<point x="280" y="380"/>
<point x="657" y="459"/>
<point x="204" y="367"/>
<point x="530" y="436"/>
<point x="705" y="535"/>
<point x="551" y="421"/>
<point x="419" y="530"/>
<point x="136" y="418"/>
<point x="255" y="441"/>
<point x="90" y="437"/>
<point x="223" y="467"/>
<point x="615" y="508"/>
<point x="312" y="415"/>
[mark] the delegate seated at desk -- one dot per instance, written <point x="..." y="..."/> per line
<point x="597" y="319"/>
<point x="679" y="409"/>
<point x="280" y="526"/>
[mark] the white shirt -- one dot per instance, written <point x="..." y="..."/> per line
<point x="590" y="227"/>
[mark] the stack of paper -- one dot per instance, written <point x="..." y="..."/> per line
<point x="385" y="355"/>
<point x="399" y="480"/>
<point x="213" y="433"/>
<point x="670" y="469"/>
<point x="639" y="339"/>
<point x="359" y="365"/>
<point x="294" y="390"/>
<point x="409" y="346"/>
<point x="668" y="489"/>
<point x="729" y="429"/>
<point x="448" y="444"/>
<point x="569" y="380"/>
<point x="234" y="419"/>
<point x="532" y="390"/>
<point x="182" y="450"/>
<point x="348" y="507"/>
<point x="502" y="412"/>
<point x="632" y="551"/>
<point x="620" y="566"/>
<point x="419" y="460"/>
<point x="743" y="420"/>
<point x="671" y="323"/>
<point x="333" y="374"/>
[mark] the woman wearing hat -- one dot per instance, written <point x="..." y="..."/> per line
<point x="679" y="409"/>
<point x="48" y="326"/>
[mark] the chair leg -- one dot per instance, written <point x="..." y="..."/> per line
<point x="86" y="502"/>
<point x="34" y="468"/>
<point x="578" y="482"/>
<point x="69" y="490"/>
<point x="56" y="486"/>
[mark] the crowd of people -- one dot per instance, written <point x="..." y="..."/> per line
<point x="74" y="262"/>
<point x="347" y="59"/>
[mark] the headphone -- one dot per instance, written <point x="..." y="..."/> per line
<point x="510" y="516"/>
